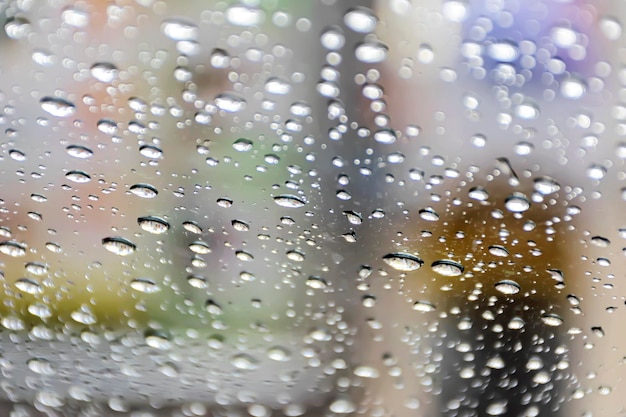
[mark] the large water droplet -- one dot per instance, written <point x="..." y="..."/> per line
<point x="546" y="185"/>
<point x="153" y="224"/>
<point x="551" y="319"/>
<point x="57" y="106"/>
<point x="77" y="176"/>
<point x="507" y="287"/>
<point x="244" y="16"/>
<point x="104" y="71"/>
<point x="244" y="362"/>
<point x="78" y="151"/>
<point x="28" y="285"/>
<point x="144" y="190"/>
<point x="119" y="245"/>
<point x="145" y="285"/>
<point x="424" y="306"/>
<point x="403" y="261"/>
<point x="371" y="52"/>
<point x="230" y="103"/>
<point x="13" y="248"/>
<point x="517" y="203"/>
<point x="360" y="19"/>
<point x="180" y="30"/>
<point x="290" y="201"/>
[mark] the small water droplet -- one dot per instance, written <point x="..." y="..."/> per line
<point x="385" y="136"/>
<point x="316" y="282"/>
<point x="37" y="268"/>
<point x="295" y="255"/>
<point x="596" y="172"/>
<point x="277" y="86"/>
<point x="403" y="261"/>
<point x="119" y="245"/>
<point x="478" y="193"/>
<point x="366" y="372"/>
<point x="244" y="256"/>
<point x="429" y="214"/>
<point x="342" y="406"/>
<point x="503" y="51"/>
<point x="17" y="155"/>
<point x="447" y="268"/>
<point x="157" y="340"/>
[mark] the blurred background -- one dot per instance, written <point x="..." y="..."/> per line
<point x="320" y="207"/>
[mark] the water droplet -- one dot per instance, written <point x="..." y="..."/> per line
<point x="573" y="88"/>
<point x="17" y="155"/>
<point x="596" y="172"/>
<point x="197" y="281"/>
<point x="517" y="203"/>
<point x="40" y="366"/>
<point x="107" y="126"/>
<point x="495" y="362"/>
<point x="12" y="248"/>
<point x="385" y="136"/>
<point x="104" y="71"/>
<point x="563" y="37"/>
<point x="507" y="287"/>
<point x="295" y="255"/>
<point x="353" y="217"/>
<point x="230" y="103"/>
<point x="151" y="152"/>
<point x="371" y="52"/>
<point x="527" y="111"/>
<point x="546" y="185"/>
<point x="498" y="250"/>
<point x="37" y="268"/>
<point x="157" y="340"/>
<point x="447" y="268"/>
<point x="316" y="282"/>
<point x="74" y="17"/>
<point x="243" y="145"/>
<point x="244" y="256"/>
<point x="119" y="245"/>
<point x="50" y="399"/>
<point x="424" y="306"/>
<point x="332" y="38"/>
<point x="478" y="193"/>
<point x="497" y="408"/>
<point x="503" y="51"/>
<point x="29" y="286"/>
<point x="290" y="201"/>
<point x="551" y="319"/>
<point x="78" y="151"/>
<point x="144" y="190"/>
<point x="279" y="354"/>
<point x="244" y="362"/>
<point x="240" y="225"/>
<point x="600" y="241"/>
<point x="84" y="316"/>
<point x="244" y="16"/>
<point x="429" y="214"/>
<point x="152" y="224"/>
<point x="219" y="58"/>
<point x="17" y="27"/>
<point x="57" y="106"/>
<point x="145" y="285"/>
<point x="200" y="247"/>
<point x="192" y="227"/>
<point x="180" y="30"/>
<point x="342" y="406"/>
<point x="360" y="19"/>
<point x="213" y="308"/>
<point x="366" y="372"/>
<point x="403" y="261"/>
<point x="277" y="86"/>
<point x="80" y="177"/>
<point x="611" y="28"/>
<point x="455" y="10"/>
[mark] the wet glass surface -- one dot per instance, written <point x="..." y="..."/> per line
<point x="320" y="207"/>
